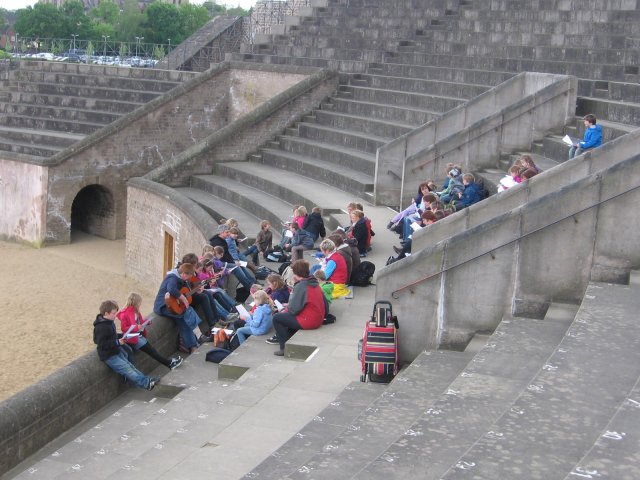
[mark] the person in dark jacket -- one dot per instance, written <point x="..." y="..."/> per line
<point x="472" y="192"/>
<point x="359" y="231"/>
<point x="112" y="349"/>
<point x="301" y="241"/>
<point x="314" y="224"/>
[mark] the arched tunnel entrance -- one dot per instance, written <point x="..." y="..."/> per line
<point x="93" y="211"/>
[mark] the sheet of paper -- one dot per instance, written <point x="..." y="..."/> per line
<point x="278" y="305"/>
<point x="567" y="139"/>
<point x="415" y="226"/>
<point x="131" y="335"/>
<point x="129" y="330"/>
<point x="228" y="331"/>
<point x="242" y="311"/>
<point x="288" y="234"/>
<point x="242" y="263"/>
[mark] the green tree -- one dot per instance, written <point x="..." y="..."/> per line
<point x="123" y="50"/>
<point x="158" y="52"/>
<point x="162" y="23"/>
<point x="214" y="9"/>
<point x="41" y="20"/>
<point x="106" y="12"/>
<point x="130" y="21"/>
<point x="192" y="17"/>
<point x="77" y="22"/>
<point x="90" y="50"/>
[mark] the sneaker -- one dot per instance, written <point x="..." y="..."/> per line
<point x="273" y="340"/>
<point x="176" y="362"/>
<point x="204" y="339"/>
<point x="152" y="382"/>
<point x="279" y="353"/>
<point x="232" y="317"/>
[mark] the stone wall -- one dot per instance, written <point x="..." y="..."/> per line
<point x="520" y="260"/>
<point x="23" y="201"/>
<point x="132" y="146"/>
<point x="43" y="411"/>
<point x="155" y="211"/>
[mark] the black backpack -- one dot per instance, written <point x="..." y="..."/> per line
<point x="361" y="276"/>
<point x="283" y="267"/>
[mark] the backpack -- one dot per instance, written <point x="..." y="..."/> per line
<point x="217" y="354"/>
<point x="263" y="272"/>
<point x="277" y="256"/>
<point x="283" y="267"/>
<point x="361" y="275"/>
<point x="222" y="340"/>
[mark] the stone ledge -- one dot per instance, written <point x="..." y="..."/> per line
<point x="43" y="411"/>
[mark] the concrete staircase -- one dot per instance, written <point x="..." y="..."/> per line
<point x="533" y="385"/>
<point x="47" y="107"/>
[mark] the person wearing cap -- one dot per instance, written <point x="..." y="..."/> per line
<point x="454" y="187"/>
<point x="219" y="240"/>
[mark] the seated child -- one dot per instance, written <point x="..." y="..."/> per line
<point x="112" y="349"/>
<point x="454" y="186"/>
<point x="264" y="242"/>
<point x="327" y="286"/>
<point x="472" y="192"/>
<point x="277" y="289"/>
<point x="259" y="320"/>
<point x="511" y="179"/>
<point x="314" y="224"/>
<point x="130" y="317"/>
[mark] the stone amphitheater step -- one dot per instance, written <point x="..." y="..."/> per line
<point x="628" y="92"/>
<point x="438" y="103"/>
<point x="486" y="388"/>
<point x="61" y="125"/>
<point x="54" y="139"/>
<point x="574" y="395"/>
<point x="219" y="209"/>
<point x="407" y="115"/>
<point x="607" y="457"/>
<point x="548" y="42"/>
<point x="344" y="178"/>
<point x="293" y="188"/>
<point x="443" y="73"/>
<point x="562" y="18"/>
<point x="88" y="80"/>
<point x="376" y="426"/>
<point x="347" y="138"/>
<point x="623" y="112"/>
<point x="424" y="86"/>
<point x="262" y="205"/>
<point x="113" y="106"/>
<point x="337" y="155"/>
<point x="601" y="71"/>
<point x="407" y="397"/>
<point x="366" y="125"/>
<point x="523" y="52"/>
<point x="61" y="113"/>
<point x="90" y="92"/>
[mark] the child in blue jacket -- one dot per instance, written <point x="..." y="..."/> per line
<point x="592" y="137"/>
<point x="259" y="323"/>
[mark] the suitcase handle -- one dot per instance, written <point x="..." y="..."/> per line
<point x="382" y="302"/>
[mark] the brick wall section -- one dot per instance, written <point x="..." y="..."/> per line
<point x="145" y="139"/>
<point x="249" y="132"/>
<point x="23" y="201"/>
<point x="152" y="210"/>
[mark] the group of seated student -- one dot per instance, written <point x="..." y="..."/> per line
<point x="523" y="169"/>
<point x="302" y="230"/>
<point x="200" y="283"/>
<point x="117" y="350"/>
<point x="458" y="191"/>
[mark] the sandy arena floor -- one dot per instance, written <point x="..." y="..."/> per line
<point x="50" y="298"/>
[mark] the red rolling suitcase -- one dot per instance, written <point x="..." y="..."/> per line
<point x="379" y="351"/>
